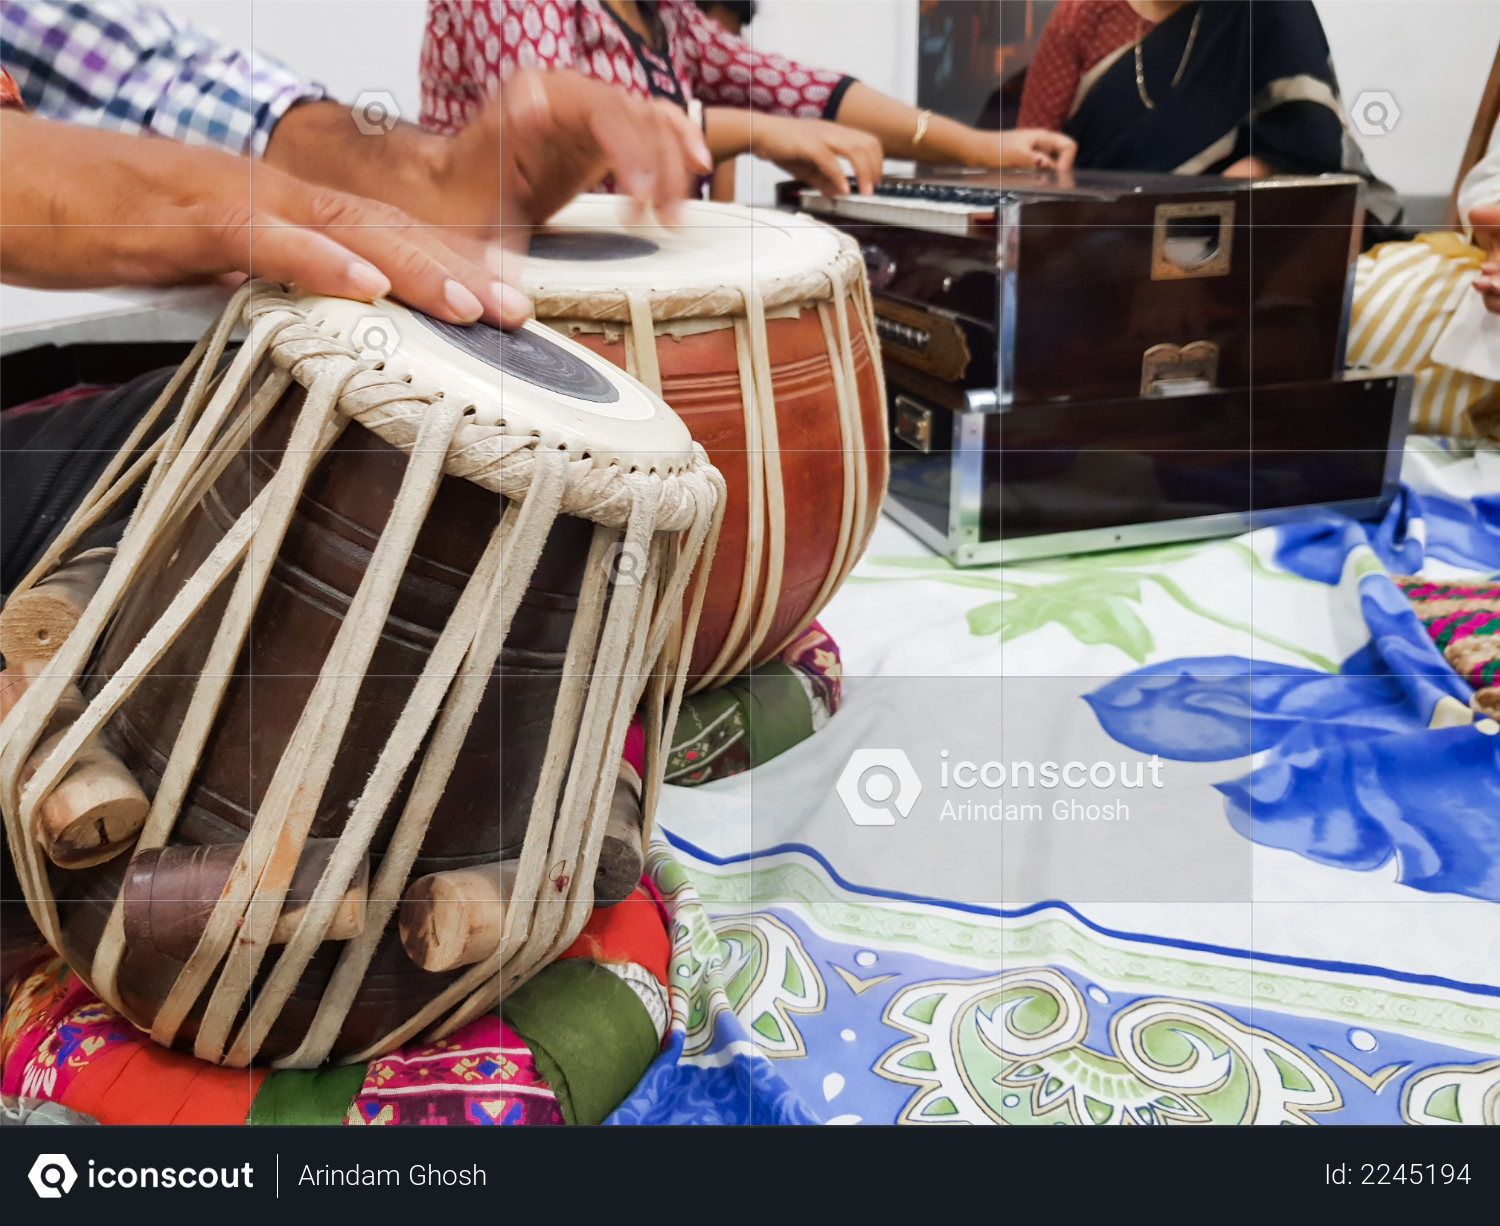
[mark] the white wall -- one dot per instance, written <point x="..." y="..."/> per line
<point x="874" y="40"/>
<point x="1432" y="57"/>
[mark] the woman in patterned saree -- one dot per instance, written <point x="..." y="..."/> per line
<point x="1233" y="88"/>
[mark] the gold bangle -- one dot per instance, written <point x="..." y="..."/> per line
<point x="922" y="121"/>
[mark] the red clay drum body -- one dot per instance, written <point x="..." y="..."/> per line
<point x="363" y="627"/>
<point x="756" y="328"/>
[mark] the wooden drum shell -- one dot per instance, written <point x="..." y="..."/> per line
<point x="392" y="990"/>
<point x="484" y="810"/>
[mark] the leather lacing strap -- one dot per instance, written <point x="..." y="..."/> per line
<point x="661" y="719"/>
<point x="469" y="647"/>
<point x="765" y="450"/>
<point x="559" y="912"/>
<point x="643" y="333"/>
<point x="748" y="639"/>
<point x="319" y="428"/>
<point x="239" y="928"/>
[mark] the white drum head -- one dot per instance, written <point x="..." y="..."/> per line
<point x="590" y="247"/>
<point x="530" y="381"/>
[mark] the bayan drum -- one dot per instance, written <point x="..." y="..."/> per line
<point x="367" y="624"/>
<point x="756" y="327"/>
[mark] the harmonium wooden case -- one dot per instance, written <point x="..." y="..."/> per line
<point x="1098" y="360"/>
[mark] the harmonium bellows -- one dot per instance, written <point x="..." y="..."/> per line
<point x="1097" y="360"/>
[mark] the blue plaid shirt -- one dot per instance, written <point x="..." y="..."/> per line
<point x="134" y="68"/>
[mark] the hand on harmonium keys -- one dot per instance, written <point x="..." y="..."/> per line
<point x="810" y="149"/>
<point x="1033" y="148"/>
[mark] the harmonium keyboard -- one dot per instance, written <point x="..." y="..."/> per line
<point x="1099" y="360"/>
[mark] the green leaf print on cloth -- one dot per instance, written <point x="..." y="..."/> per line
<point x="1096" y="597"/>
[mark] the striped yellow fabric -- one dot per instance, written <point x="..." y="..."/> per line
<point x="1404" y="296"/>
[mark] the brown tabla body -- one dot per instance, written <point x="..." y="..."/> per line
<point x="755" y="326"/>
<point x="441" y="528"/>
<point x="340" y="517"/>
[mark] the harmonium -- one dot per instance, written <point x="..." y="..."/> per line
<point x="1097" y="360"/>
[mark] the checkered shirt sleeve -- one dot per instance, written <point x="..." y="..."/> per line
<point x="134" y="68"/>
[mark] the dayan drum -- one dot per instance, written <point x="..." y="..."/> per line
<point x="755" y="326"/>
<point x="364" y="623"/>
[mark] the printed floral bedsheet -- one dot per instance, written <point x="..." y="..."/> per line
<point x="1301" y="926"/>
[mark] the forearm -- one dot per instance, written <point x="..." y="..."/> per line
<point x="722" y="190"/>
<point x="319" y="142"/>
<point x="18" y="212"/>
<point x="70" y="206"/>
<point x="34" y="214"/>
<point x="732" y="130"/>
<point x="80" y="208"/>
<point x="896" y="124"/>
<point x="727" y="131"/>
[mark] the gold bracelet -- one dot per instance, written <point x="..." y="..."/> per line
<point x="922" y="121"/>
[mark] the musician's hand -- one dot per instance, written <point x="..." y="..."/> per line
<point x="1249" y="167"/>
<point x="81" y="208"/>
<point x="809" y="149"/>
<point x="1485" y="221"/>
<point x="551" y="135"/>
<point x="545" y="138"/>
<point x="1033" y="148"/>
<point x="905" y="132"/>
<point x="548" y="136"/>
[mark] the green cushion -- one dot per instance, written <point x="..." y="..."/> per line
<point x="318" y="1096"/>
<point x="778" y="713"/>
<point x="589" y="1033"/>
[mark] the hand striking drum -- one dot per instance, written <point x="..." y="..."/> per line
<point x="755" y="327"/>
<point x="367" y="621"/>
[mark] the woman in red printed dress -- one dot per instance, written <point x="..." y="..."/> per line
<point x="802" y="118"/>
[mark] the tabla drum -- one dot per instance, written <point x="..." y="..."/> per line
<point x="369" y="617"/>
<point x="756" y="328"/>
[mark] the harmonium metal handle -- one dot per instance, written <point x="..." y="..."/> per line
<point x="1167" y="370"/>
<point x="1192" y="240"/>
<point x="913" y="423"/>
